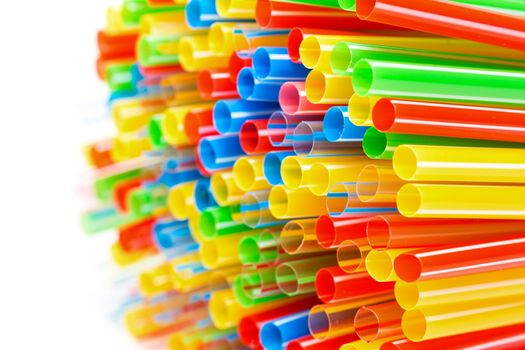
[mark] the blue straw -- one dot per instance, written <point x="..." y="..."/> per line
<point x="229" y="115"/>
<point x="273" y="63"/>
<point x="276" y="334"/>
<point x="173" y="174"/>
<point x="348" y="192"/>
<point x="272" y="166"/>
<point x="253" y="89"/>
<point x="203" y="13"/>
<point x="203" y="196"/>
<point x="337" y="126"/>
<point x="220" y="152"/>
<point x="169" y="233"/>
<point x="251" y="35"/>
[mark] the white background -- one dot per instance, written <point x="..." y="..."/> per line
<point x="51" y="275"/>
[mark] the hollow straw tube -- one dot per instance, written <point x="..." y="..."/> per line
<point x="158" y="50"/>
<point x="256" y="285"/>
<point x="342" y="201"/>
<point x="477" y="24"/>
<point x="378" y="184"/>
<point x="248" y="37"/>
<point x="309" y="140"/>
<point x="255" y="136"/>
<point x="321" y="3"/>
<point x="298" y="277"/>
<point x="224" y="188"/>
<point x="351" y="255"/>
<point x="229" y="115"/>
<point x="181" y="201"/>
<point x="277" y="333"/>
<point x="260" y="249"/>
<point x="285" y="203"/>
<point x="337" y="319"/>
<point x="293" y="101"/>
<point x="237" y="63"/>
<point x="501" y="338"/>
<point x="325" y="88"/>
<point x="133" y="114"/>
<point x="378" y="321"/>
<point x="331" y="232"/>
<point x="380" y="145"/>
<point x="499" y="86"/>
<point x="475" y="201"/>
<point x="236" y="8"/>
<point x="380" y="264"/>
<point x="273" y="63"/>
<point x="333" y="284"/>
<point x="450" y="120"/>
<point x="220" y="38"/>
<point x="155" y="132"/>
<point x="199" y="124"/>
<point x="137" y="236"/>
<point x="460" y="259"/>
<point x="221" y="251"/>
<point x="272" y="166"/>
<point x="255" y="210"/>
<point x="488" y="285"/>
<point x="170" y="233"/>
<point x="459" y="164"/>
<point x="298" y="236"/>
<point x="195" y="54"/>
<point x="362" y="345"/>
<point x="360" y="109"/>
<point x="216" y="222"/>
<point x="338" y="128"/>
<point x="310" y="343"/>
<point x="507" y="6"/>
<point x="203" y="196"/>
<point x="396" y="231"/>
<point x="248" y="173"/>
<point x="202" y="14"/>
<point x="216" y="84"/>
<point x="132" y="11"/>
<point x="172" y="125"/>
<point x="116" y="46"/>
<point x="282" y="126"/>
<point x="451" y="319"/>
<point x="179" y="89"/>
<point x="253" y="89"/>
<point x="219" y="152"/>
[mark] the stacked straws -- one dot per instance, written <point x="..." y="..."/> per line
<point x="316" y="174"/>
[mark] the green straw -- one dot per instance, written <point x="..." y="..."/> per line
<point x="345" y="55"/>
<point x="379" y="145"/>
<point x="107" y="218"/>
<point x="348" y="5"/>
<point x="155" y="132"/>
<point x="133" y="10"/>
<point x="149" y="51"/>
<point x="104" y="186"/>
<point x="259" y="249"/>
<point x="218" y="222"/>
<point x="145" y="201"/>
<point x="516" y="7"/>
<point x="119" y="77"/>
<point x="322" y="3"/>
<point x="247" y="287"/>
<point x="445" y="83"/>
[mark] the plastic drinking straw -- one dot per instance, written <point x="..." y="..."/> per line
<point x="180" y="89"/>
<point x="195" y="54"/>
<point x="248" y="173"/>
<point x="133" y="114"/>
<point x="342" y="201"/>
<point x="172" y="125"/>
<point x="475" y="201"/>
<point x="460" y="259"/>
<point x="236" y="8"/>
<point x="97" y="153"/>
<point x="380" y="264"/>
<point x="121" y="190"/>
<point x="273" y="63"/>
<point x="362" y="345"/>
<point x="229" y="115"/>
<point x="285" y="203"/>
<point x="380" y="321"/>
<point x="224" y="188"/>
<point x="225" y="310"/>
<point x="255" y="137"/>
<point x="337" y="319"/>
<point x="253" y="89"/>
<point x="256" y="285"/>
<point x="259" y="249"/>
<point x="333" y="284"/>
<point x="378" y="183"/>
<point x="298" y="277"/>
<point x="216" y="222"/>
<point x="179" y="174"/>
<point x="281" y="127"/>
<point x="133" y="10"/>
<point x="155" y="132"/>
<point x="216" y="84"/>
<point x="116" y="46"/>
<point x="325" y="88"/>
<point x="169" y="233"/>
<point x="351" y="255"/>
<point x="293" y="101"/>
<point x="199" y="124"/>
<point x="255" y="210"/>
<point x="315" y="50"/>
<point x="247" y="37"/>
<point x="321" y="3"/>
<point x="276" y="334"/>
<point x="338" y="128"/>
<point x="504" y="338"/>
<point x="164" y="23"/>
<point x="221" y="251"/>
<point x="380" y="145"/>
<point x="249" y="326"/>
<point x="272" y="166"/>
<point x="298" y="236"/>
<point x="396" y="231"/>
<point x="130" y="145"/>
<point x="220" y="38"/>
<point x="119" y="78"/>
<point x="197" y="338"/>
<point x="156" y="50"/>
<point x="137" y="236"/>
<point x="203" y="195"/>
<point x="124" y="259"/>
<point x="459" y="164"/>
<point x="202" y="14"/>
<point x="360" y="109"/>
<point x="310" y="343"/>
<point x="237" y="63"/>
<point x="331" y="232"/>
<point x="148" y="200"/>
<point x="322" y="176"/>
<point x="488" y="285"/>
<point x="452" y="120"/>
<point x="309" y="140"/>
<point x="476" y="24"/>
<point x="219" y="152"/>
<point x="451" y="319"/>
<point x="277" y="14"/>
<point x="508" y="6"/>
<point x="371" y="77"/>
<point x="181" y="201"/>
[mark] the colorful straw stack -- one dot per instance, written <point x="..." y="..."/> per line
<point x="329" y="174"/>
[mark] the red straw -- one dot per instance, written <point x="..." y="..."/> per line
<point x="331" y="232"/>
<point x="255" y="137"/>
<point x="216" y="84"/>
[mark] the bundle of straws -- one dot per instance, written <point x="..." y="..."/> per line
<point x="316" y="174"/>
